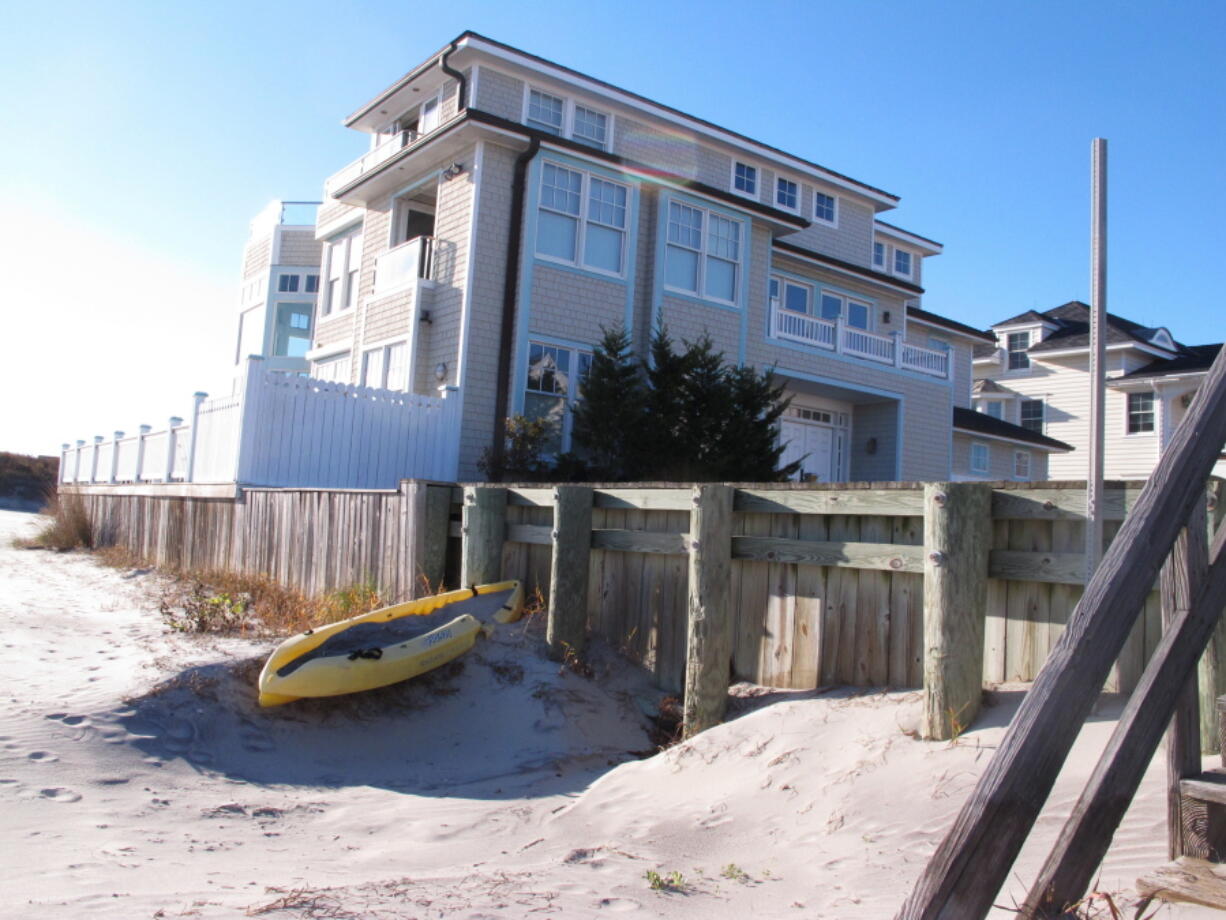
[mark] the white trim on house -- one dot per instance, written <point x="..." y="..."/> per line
<point x="656" y="111"/>
<point x="815" y="260"/>
<point x="926" y="247"/>
<point x="1118" y="346"/>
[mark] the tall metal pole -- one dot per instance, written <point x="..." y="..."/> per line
<point x="1098" y="351"/>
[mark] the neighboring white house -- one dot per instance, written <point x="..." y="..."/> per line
<point x="1036" y="375"/>
<point x="280" y="283"/>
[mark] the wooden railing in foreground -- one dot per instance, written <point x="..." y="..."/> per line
<point x="966" y="872"/>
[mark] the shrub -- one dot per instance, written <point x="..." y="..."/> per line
<point x="69" y="527"/>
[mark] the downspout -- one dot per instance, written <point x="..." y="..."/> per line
<point x="510" y="286"/>
<point x="462" y="92"/>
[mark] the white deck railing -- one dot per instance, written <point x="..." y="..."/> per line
<point x="283" y="430"/>
<point x="834" y="335"/>
<point x="369" y="160"/>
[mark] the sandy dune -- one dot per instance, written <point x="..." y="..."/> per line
<point x="139" y="779"/>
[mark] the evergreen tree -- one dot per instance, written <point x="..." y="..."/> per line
<point x="682" y="416"/>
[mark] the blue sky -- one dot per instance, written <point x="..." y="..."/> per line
<point x="140" y="139"/>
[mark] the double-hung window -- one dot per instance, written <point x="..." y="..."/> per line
<point x="825" y="208"/>
<point x="555" y="375"/>
<point x="546" y="112"/>
<point x="312" y="284"/>
<point x="1032" y="415"/>
<point x="745" y="179"/>
<point x="787" y="194"/>
<point x="1021" y="464"/>
<point x="386" y="367"/>
<point x="1140" y="412"/>
<point x="902" y="263"/>
<point x="703" y="253"/>
<point x="582" y="219"/>
<point x="981" y="457"/>
<point x="1017" y="344"/>
<point x="854" y="313"/>
<point x="590" y="126"/>
<point x="344" y="261"/>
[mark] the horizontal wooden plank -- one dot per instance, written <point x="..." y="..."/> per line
<point x="1059" y="504"/>
<point x="1208" y="787"/>
<point x="1055" y="568"/>
<point x="157" y="489"/>
<point x="540" y="534"/>
<point x="900" y="502"/>
<point x="531" y="498"/>
<point x="641" y="541"/>
<point x="645" y="499"/>
<point x="1187" y="880"/>
<point x="889" y="557"/>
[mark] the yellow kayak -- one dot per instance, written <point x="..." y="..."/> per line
<point x="386" y="646"/>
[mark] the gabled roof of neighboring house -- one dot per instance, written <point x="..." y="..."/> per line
<point x="1030" y="316"/>
<point x="887" y="198"/>
<point x="985" y="385"/>
<point x="951" y="324"/>
<point x="1072" y="330"/>
<point x="972" y="422"/>
<point x="1193" y="359"/>
<point x="986" y="351"/>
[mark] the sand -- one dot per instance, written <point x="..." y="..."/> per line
<point x="139" y="779"/>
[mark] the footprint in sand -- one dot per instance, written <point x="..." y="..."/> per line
<point x="42" y="757"/>
<point x="59" y="794"/>
<point x="618" y="905"/>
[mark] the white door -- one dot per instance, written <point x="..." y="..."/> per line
<point x="813" y="443"/>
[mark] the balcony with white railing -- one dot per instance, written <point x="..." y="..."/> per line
<point x="370" y="160"/>
<point x="836" y="336"/>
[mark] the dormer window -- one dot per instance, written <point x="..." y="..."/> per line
<point x="1017" y="344"/>
<point x="787" y="194"/>
<point x="590" y="126"/>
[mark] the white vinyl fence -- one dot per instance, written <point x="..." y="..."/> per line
<point x="286" y="431"/>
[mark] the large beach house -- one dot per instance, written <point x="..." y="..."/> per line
<point x="507" y="211"/>
<point x="510" y="208"/>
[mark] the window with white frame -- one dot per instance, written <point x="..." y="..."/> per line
<point x="590" y="126"/>
<point x="787" y="194"/>
<point x="567" y="118"/>
<point x="902" y="263"/>
<point x="1140" y="412"/>
<point x="703" y="253"/>
<point x="1031" y="415"/>
<point x="343" y="260"/>
<point x="386" y="367"/>
<point x="744" y="178"/>
<point x="994" y="408"/>
<point x="826" y="208"/>
<point x="791" y="295"/>
<point x="555" y="375"/>
<point x="312" y="284"/>
<point x="546" y="112"/>
<point x="1017" y="344"/>
<point x="854" y="313"/>
<point x="334" y="367"/>
<point x="293" y="332"/>
<point x="1021" y="464"/>
<point x="582" y="219"/>
<point x="287" y="283"/>
<point x="879" y="256"/>
<point x="981" y="457"/>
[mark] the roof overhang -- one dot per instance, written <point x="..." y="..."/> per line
<point x="1029" y="445"/>
<point x="924" y="245"/>
<point x="837" y="265"/>
<point x="948" y="327"/>
<point x="1129" y="382"/>
<point x="401" y="96"/>
<point x="1044" y="353"/>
